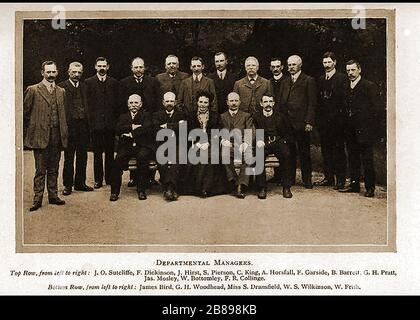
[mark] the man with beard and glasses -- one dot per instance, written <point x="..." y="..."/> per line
<point x="78" y="128"/>
<point x="45" y="131"/>
<point x="170" y="80"/>
<point x="103" y="107"/>
<point x="224" y="80"/>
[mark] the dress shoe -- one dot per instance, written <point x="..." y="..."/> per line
<point x="142" y="195"/>
<point x="131" y="183"/>
<point x="204" y="194"/>
<point x="240" y="193"/>
<point x="308" y="185"/>
<point x="287" y="193"/>
<point x="370" y="193"/>
<point x="56" y="201"/>
<point x="67" y="191"/>
<point x="97" y="185"/>
<point x="262" y="194"/>
<point x="339" y="186"/>
<point x="350" y="189"/>
<point x="168" y="194"/>
<point x="325" y="183"/>
<point x="113" y="197"/>
<point x="36" y="205"/>
<point x="174" y="196"/>
<point x="83" y="188"/>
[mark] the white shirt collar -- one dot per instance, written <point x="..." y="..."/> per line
<point x="199" y="77"/>
<point x="170" y="113"/>
<point x="101" y="78"/>
<point x="133" y="115"/>
<point x="278" y="77"/>
<point x="355" y="82"/>
<point x="256" y="77"/>
<point x="268" y="114"/>
<point x="48" y="84"/>
<point x="296" y="75"/>
<point x="233" y="112"/>
<point x="328" y="75"/>
<point x="75" y="84"/>
<point x="222" y="74"/>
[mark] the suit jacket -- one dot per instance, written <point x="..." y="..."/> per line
<point x="166" y="83"/>
<point x="103" y="102"/>
<point x="161" y="117"/>
<point x="276" y="85"/>
<point x="36" y="116"/>
<point x="363" y="107"/>
<point x="251" y="95"/>
<point x="185" y="95"/>
<point x="147" y="90"/>
<point x="70" y="91"/>
<point x="213" y="122"/>
<point x="330" y="110"/>
<point x="242" y="120"/>
<point x="142" y="136"/>
<point x="298" y="100"/>
<point x="223" y="88"/>
<point x="283" y="125"/>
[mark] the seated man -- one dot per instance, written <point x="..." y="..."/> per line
<point x="136" y="139"/>
<point x="169" y="118"/>
<point x="277" y="136"/>
<point x="239" y="120"/>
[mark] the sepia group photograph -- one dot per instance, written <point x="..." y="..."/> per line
<point x="205" y="131"/>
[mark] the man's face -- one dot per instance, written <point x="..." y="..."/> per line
<point x="50" y="72"/>
<point x="353" y="71"/>
<point x="220" y="62"/>
<point x="203" y="103"/>
<point x="276" y="67"/>
<point x="294" y="64"/>
<point x="169" y="101"/>
<point x="134" y="104"/>
<point x="267" y="103"/>
<point x="251" y="67"/>
<point x="329" y="64"/>
<point x="102" y="67"/>
<point x="171" y="65"/>
<point x="233" y="101"/>
<point x="75" y="73"/>
<point x="137" y="67"/>
<point x="196" y="67"/>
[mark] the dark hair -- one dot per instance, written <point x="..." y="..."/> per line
<point x="101" y="59"/>
<point x="199" y="59"/>
<point x="353" y="62"/>
<point x="276" y="59"/>
<point x="47" y="63"/>
<point x="203" y="93"/>
<point x="267" y="95"/>
<point x="221" y="52"/>
<point x="329" y="54"/>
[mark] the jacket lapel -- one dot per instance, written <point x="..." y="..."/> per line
<point x="44" y="92"/>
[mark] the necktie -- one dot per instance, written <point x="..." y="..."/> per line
<point x="252" y="80"/>
<point x="51" y="89"/>
<point x="196" y="80"/>
<point x="221" y="75"/>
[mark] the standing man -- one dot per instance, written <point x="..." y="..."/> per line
<point x="78" y="129"/>
<point x="193" y="84"/>
<point x="278" y="135"/>
<point x="169" y="118"/>
<point x="330" y="122"/>
<point x="232" y="119"/>
<point x="45" y="131"/>
<point x="103" y="107"/>
<point x="362" y="103"/>
<point x="170" y="81"/>
<point x="224" y="80"/>
<point x="298" y="101"/>
<point x="252" y="87"/>
<point x="136" y="139"/>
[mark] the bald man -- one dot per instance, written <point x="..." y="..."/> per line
<point x="134" y="129"/>
<point x="298" y="101"/>
<point x="169" y="118"/>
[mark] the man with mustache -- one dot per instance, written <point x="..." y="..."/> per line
<point x="103" y="107"/>
<point x="170" y="81"/>
<point x="78" y="128"/>
<point x="45" y="131"/>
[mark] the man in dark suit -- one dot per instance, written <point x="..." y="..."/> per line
<point x="224" y="80"/>
<point x="170" y="81"/>
<point x="169" y="118"/>
<point x="298" y="101"/>
<point x="135" y="130"/>
<point x="252" y="87"/>
<point x="363" y="105"/>
<point x="45" y="131"/>
<point x="330" y="123"/>
<point x="102" y="93"/>
<point x="278" y="135"/>
<point x="147" y="88"/>
<point x="193" y="84"/>
<point x="232" y="119"/>
<point x="78" y="128"/>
